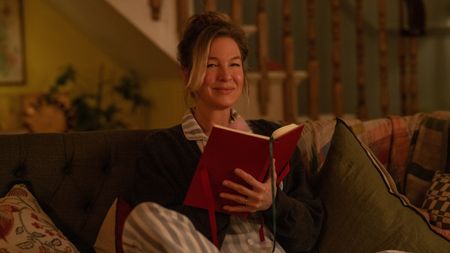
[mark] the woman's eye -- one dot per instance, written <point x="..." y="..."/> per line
<point x="235" y="64"/>
<point x="211" y="65"/>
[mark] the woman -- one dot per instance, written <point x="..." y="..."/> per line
<point x="212" y="53"/>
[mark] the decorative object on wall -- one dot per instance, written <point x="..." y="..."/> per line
<point x="57" y="112"/>
<point x="155" y="7"/>
<point x="11" y="42"/>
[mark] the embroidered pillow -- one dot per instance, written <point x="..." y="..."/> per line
<point x="24" y="227"/>
<point x="437" y="201"/>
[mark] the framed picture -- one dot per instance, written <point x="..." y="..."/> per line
<point x="12" y="60"/>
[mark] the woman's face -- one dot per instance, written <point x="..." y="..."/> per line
<point x="224" y="77"/>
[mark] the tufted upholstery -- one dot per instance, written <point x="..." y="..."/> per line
<point x="75" y="175"/>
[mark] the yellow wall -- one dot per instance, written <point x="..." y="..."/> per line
<point x="51" y="43"/>
<point x="167" y="100"/>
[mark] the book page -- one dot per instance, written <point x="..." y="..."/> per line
<point x="282" y="130"/>
<point x="243" y="132"/>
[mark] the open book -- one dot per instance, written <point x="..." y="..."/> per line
<point x="228" y="149"/>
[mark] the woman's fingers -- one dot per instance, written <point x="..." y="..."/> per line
<point x="243" y="204"/>
<point x="257" y="197"/>
<point x="249" y="179"/>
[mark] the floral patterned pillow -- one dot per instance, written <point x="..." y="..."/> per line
<point x="24" y="227"/>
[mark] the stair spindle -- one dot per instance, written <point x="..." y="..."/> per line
<point x="263" y="51"/>
<point x="337" y="89"/>
<point x="236" y="11"/>
<point x="402" y="59"/>
<point x="313" y="63"/>
<point x="360" y="82"/>
<point x="210" y="5"/>
<point x="182" y="15"/>
<point x="288" y="59"/>
<point x="413" y="74"/>
<point x="382" y="58"/>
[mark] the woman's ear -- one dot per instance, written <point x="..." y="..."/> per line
<point x="185" y="74"/>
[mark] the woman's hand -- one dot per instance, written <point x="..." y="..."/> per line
<point x="256" y="198"/>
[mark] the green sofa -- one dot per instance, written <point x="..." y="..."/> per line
<point x="361" y="177"/>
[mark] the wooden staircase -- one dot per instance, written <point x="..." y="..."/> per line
<point x="275" y="92"/>
<point x="411" y="23"/>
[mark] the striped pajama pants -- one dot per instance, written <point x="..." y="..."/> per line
<point x="152" y="228"/>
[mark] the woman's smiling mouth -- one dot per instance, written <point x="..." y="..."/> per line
<point x="223" y="90"/>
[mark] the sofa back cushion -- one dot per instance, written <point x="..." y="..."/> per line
<point x="75" y="175"/>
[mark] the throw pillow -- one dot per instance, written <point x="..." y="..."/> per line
<point x="365" y="212"/>
<point x="437" y="201"/>
<point x="428" y="155"/>
<point x="24" y="227"/>
<point x="109" y="238"/>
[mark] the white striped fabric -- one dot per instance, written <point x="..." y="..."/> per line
<point x="151" y="228"/>
<point x="243" y="237"/>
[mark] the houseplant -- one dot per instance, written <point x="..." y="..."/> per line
<point x="85" y="111"/>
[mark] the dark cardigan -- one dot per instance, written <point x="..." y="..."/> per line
<point x="173" y="160"/>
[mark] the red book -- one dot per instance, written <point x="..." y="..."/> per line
<point x="228" y="149"/>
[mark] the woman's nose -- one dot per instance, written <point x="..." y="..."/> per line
<point x="225" y="73"/>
